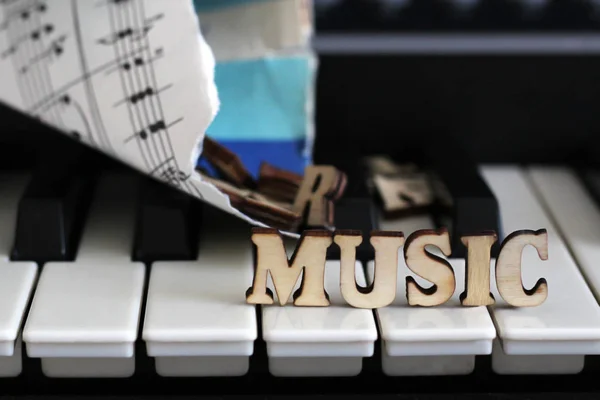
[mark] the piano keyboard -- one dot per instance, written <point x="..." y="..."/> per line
<point x="135" y="302"/>
<point x="457" y="16"/>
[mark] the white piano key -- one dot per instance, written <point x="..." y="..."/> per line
<point x="576" y="215"/>
<point x="319" y="341"/>
<point x="197" y="320"/>
<point x="17" y="279"/>
<point x="526" y="364"/>
<point x="84" y="316"/>
<point x="430" y="341"/>
<point x="567" y="325"/>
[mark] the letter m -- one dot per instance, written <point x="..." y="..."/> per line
<point x="309" y="259"/>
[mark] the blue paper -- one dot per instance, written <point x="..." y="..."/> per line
<point x="263" y="114"/>
<point x="283" y="154"/>
<point x="262" y="99"/>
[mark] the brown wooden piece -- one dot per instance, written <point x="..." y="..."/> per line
<point x="308" y="259"/>
<point x="383" y="165"/>
<point x="276" y="214"/>
<point x="382" y="291"/>
<point x="402" y="193"/>
<point x="477" y="265"/>
<point x="277" y="183"/>
<point x="508" y="269"/>
<point x="227" y="163"/>
<point x="321" y="186"/>
<point x="429" y="266"/>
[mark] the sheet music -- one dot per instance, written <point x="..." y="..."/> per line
<point x="133" y="78"/>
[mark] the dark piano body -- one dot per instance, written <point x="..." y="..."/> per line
<point x="451" y="112"/>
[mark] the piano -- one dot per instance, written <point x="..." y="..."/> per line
<point x="112" y="284"/>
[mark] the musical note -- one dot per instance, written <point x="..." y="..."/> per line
<point x="22" y="13"/>
<point x="152" y="128"/>
<point x="53" y="51"/>
<point x="135" y="34"/>
<point x="34" y="35"/>
<point x="141" y="95"/>
<point x="72" y="112"/>
<point x="125" y="61"/>
<point x="173" y="175"/>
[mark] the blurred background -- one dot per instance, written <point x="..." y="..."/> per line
<point x="508" y="80"/>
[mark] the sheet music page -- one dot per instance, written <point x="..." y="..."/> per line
<point x="133" y="78"/>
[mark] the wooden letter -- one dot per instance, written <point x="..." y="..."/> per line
<point x="277" y="183"/>
<point x="320" y="186"/>
<point x="255" y="205"/>
<point x="228" y="163"/>
<point x="403" y="192"/>
<point x="382" y="291"/>
<point x="428" y="266"/>
<point x="477" y="274"/>
<point x="508" y="269"/>
<point x="309" y="258"/>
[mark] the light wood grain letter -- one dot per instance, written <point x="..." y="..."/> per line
<point x="429" y="266"/>
<point x="477" y="265"/>
<point x="320" y="186"/>
<point x="382" y="291"/>
<point x="508" y="268"/>
<point x="309" y="258"/>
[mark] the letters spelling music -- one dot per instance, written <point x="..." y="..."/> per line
<point x="309" y="258"/>
<point x="308" y="262"/>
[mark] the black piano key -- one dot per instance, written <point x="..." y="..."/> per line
<point x="361" y="15"/>
<point x="356" y="210"/>
<point x="54" y="207"/>
<point x="358" y="214"/>
<point x="425" y="15"/>
<point x="497" y="15"/>
<point x="474" y="207"/>
<point x="591" y="179"/>
<point x="569" y="15"/>
<point x="167" y="225"/>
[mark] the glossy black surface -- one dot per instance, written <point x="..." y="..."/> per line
<point x="483" y="16"/>
<point x="167" y="224"/>
<point x="53" y="210"/>
<point x="474" y="207"/>
<point x="356" y="213"/>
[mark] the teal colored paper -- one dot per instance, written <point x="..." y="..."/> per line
<point x="263" y="99"/>
<point x="210" y="5"/>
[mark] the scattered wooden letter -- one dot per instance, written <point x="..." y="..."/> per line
<point x="384" y="165"/>
<point x="508" y="269"/>
<point x="321" y="186"/>
<point x="256" y="205"/>
<point x="382" y="291"/>
<point x="308" y="259"/>
<point x="278" y="183"/>
<point x="429" y="266"/>
<point x="402" y="193"/>
<point x="477" y="265"/>
<point x="227" y="163"/>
